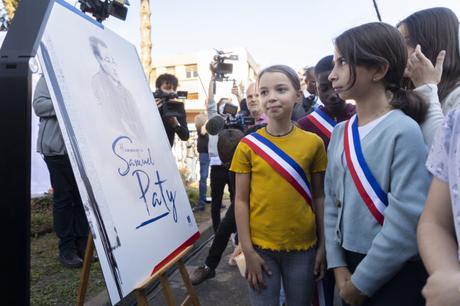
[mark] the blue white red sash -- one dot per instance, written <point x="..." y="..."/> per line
<point x="281" y="162"/>
<point x="368" y="187"/>
<point x="322" y="121"/>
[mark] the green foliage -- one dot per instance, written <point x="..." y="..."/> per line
<point x="193" y="195"/>
<point x="41" y="215"/>
<point x="51" y="283"/>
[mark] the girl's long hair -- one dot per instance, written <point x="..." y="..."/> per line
<point x="377" y="44"/>
<point x="436" y="29"/>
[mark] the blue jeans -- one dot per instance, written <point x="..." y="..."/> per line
<point x="204" y="171"/>
<point x="295" y="269"/>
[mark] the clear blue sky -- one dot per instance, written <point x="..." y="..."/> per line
<point x="292" y="32"/>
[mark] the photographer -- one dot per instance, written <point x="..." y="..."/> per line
<point x="219" y="174"/>
<point x="165" y="94"/>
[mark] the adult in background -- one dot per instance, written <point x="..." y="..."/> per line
<point x="69" y="219"/>
<point x="309" y="98"/>
<point x="219" y="174"/>
<point x="167" y="84"/>
<point x="203" y="155"/>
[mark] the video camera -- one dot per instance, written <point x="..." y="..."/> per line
<point x="236" y="121"/>
<point x="101" y="9"/>
<point x="173" y="103"/>
<point x="223" y="69"/>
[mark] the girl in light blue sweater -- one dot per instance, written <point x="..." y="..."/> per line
<point x="376" y="182"/>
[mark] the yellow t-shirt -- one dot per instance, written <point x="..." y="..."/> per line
<point x="279" y="217"/>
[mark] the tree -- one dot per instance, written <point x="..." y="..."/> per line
<point x="11" y="6"/>
<point x="146" y="39"/>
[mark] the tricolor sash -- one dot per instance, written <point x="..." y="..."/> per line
<point x="281" y="163"/>
<point x="372" y="194"/>
<point x="322" y="121"/>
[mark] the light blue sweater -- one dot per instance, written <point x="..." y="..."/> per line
<point x="395" y="153"/>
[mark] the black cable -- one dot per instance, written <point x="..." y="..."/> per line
<point x="377" y="10"/>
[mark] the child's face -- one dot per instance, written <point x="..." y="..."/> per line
<point x="333" y="103"/>
<point x="341" y="79"/>
<point x="277" y="95"/>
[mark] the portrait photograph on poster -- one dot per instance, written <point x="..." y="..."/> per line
<point x="135" y="201"/>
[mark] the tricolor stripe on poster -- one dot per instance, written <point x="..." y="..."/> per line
<point x="368" y="187"/>
<point x="281" y="162"/>
<point x="322" y="121"/>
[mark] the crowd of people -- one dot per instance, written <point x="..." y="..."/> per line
<point x="338" y="199"/>
<point x="361" y="198"/>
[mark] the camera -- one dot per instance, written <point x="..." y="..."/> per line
<point x="236" y="121"/>
<point x="223" y="69"/>
<point x="103" y="9"/>
<point x="173" y="103"/>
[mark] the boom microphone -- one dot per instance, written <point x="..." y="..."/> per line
<point x="215" y="125"/>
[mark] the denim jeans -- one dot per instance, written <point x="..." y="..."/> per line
<point x="295" y="269"/>
<point x="204" y="171"/>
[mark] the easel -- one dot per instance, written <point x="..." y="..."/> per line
<point x="191" y="297"/>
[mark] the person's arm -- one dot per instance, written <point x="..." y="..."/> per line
<point x="425" y="76"/>
<point x="438" y="247"/>
<point x="435" y="232"/>
<point x="434" y="116"/>
<point x="317" y="183"/>
<point x="42" y="104"/>
<point x="236" y="92"/>
<point x="210" y="103"/>
<point x="255" y="265"/>
<point x="180" y="128"/>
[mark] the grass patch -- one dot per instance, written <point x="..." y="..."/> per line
<point x="51" y="283"/>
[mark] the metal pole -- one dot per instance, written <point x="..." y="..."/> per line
<point x="20" y="45"/>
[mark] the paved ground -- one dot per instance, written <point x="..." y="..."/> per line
<point x="228" y="288"/>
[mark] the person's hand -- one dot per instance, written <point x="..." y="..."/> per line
<point x="352" y="295"/>
<point x="320" y="263"/>
<point x="235" y="90"/>
<point x="442" y="289"/>
<point x="173" y="121"/>
<point x="420" y="69"/>
<point x="159" y="102"/>
<point x="255" y="267"/>
<point x="341" y="274"/>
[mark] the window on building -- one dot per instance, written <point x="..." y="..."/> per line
<point x="191" y="71"/>
<point x="192" y="96"/>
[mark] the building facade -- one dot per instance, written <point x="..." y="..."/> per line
<point x="194" y="75"/>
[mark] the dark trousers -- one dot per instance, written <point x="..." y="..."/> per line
<point x="404" y="289"/>
<point x="219" y="178"/>
<point x="225" y="229"/>
<point x="69" y="218"/>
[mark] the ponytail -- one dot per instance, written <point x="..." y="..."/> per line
<point x="409" y="102"/>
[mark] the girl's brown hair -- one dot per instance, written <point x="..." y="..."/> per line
<point x="436" y="29"/>
<point x="377" y="44"/>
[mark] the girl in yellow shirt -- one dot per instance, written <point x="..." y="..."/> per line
<point x="279" y="197"/>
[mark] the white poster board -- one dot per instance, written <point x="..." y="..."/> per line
<point x="136" y="203"/>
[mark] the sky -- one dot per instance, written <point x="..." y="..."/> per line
<point x="292" y="32"/>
